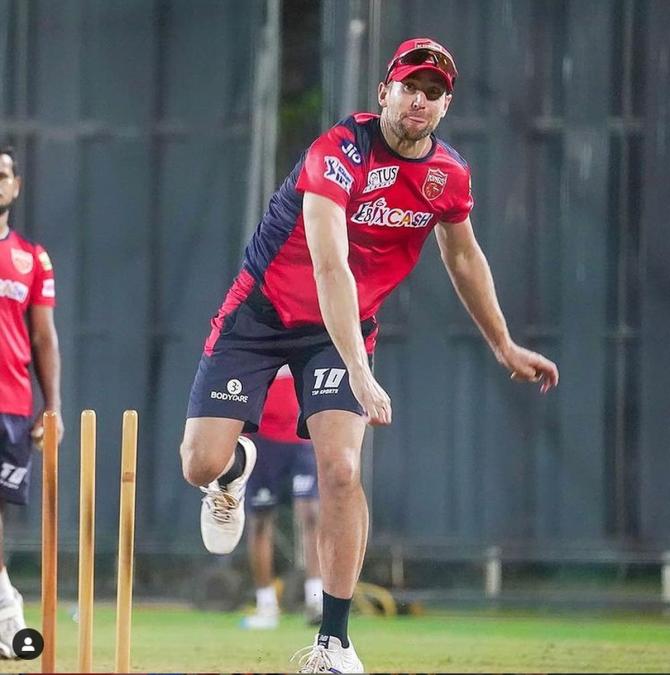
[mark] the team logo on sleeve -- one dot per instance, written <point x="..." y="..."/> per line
<point x="23" y="260"/>
<point x="336" y="173"/>
<point x="351" y="151"/>
<point x="46" y="261"/>
<point x="382" y="177"/>
<point x="433" y="185"/>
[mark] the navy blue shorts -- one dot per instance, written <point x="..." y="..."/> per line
<point x="16" y="449"/>
<point x="233" y="380"/>
<point x="282" y="469"/>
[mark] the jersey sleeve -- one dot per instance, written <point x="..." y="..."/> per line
<point x="460" y="201"/>
<point x="43" y="291"/>
<point x="332" y="166"/>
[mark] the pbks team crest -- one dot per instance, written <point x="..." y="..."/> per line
<point x="23" y="261"/>
<point x="433" y="185"/>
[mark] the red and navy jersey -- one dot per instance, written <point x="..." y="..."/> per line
<point x="26" y="278"/>
<point x="392" y="203"/>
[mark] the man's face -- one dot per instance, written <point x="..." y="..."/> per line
<point x="415" y="106"/>
<point x="10" y="185"/>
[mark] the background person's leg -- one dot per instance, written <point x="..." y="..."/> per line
<point x="260" y="546"/>
<point x="307" y="512"/>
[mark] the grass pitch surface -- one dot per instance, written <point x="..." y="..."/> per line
<point x="172" y="639"/>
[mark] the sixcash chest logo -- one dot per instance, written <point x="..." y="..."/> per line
<point x="233" y="393"/>
<point x="380" y="214"/>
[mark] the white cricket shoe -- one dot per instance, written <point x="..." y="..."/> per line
<point x="11" y="622"/>
<point x="262" y="619"/>
<point x="327" y="655"/>
<point x="222" y="510"/>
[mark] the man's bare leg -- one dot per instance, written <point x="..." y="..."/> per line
<point x="343" y="523"/>
<point x="219" y="461"/>
<point x="207" y="450"/>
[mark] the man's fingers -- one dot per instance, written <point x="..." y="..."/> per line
<point x="37" y="436"/>
<point x="379" y="415"/>
<point x="528" y="375"/>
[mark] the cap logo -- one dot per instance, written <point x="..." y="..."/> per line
<point x="433" y="185"/>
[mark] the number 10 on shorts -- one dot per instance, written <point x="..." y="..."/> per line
<point x="329" y="379"/>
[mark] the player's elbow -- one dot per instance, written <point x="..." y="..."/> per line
<point x="462" y="263"/>
<point x="326" y="267"/>
<point x="44" y="342"/>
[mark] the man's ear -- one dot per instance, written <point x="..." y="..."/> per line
<point x="17" y="186"/>
<point x="447" y="103"/>
<point x="382" y="94"/>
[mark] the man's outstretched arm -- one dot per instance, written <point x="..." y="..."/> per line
<point x="470" y="273"/>
<point x="328" y="242"/>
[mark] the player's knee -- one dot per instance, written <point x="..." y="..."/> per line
<point x="341" y="473"/>
<point x="197" y="466"/>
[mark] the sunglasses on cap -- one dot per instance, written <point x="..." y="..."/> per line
<point x="417" y="57"/>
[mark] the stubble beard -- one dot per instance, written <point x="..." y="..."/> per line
<point x="6" y="206"/>
<point x="405" y="134"/>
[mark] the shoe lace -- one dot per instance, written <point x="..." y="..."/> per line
<point x="313" y="659"/>
<point x="223" y="504"/>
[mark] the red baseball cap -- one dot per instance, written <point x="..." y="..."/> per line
<point x="422" y="54"/>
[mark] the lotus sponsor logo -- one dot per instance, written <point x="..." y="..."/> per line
<point x="336" y="173"/>
<point x="380" y="214"/>
<point x="14" y="290"/>
<point x="433" y="185"/>
<point x="380" y="178"/>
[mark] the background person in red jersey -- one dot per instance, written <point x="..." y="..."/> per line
<point x="343" y="230"/>
<point x="285" y="463"/>
<point x="26" y="292"/>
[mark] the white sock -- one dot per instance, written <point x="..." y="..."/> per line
<point x="313" y="591"/>
<point x="266" y="599"/>
<point x="6" y="589"/>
